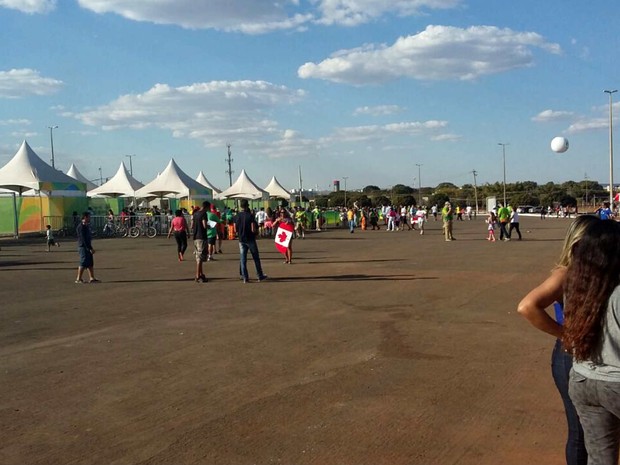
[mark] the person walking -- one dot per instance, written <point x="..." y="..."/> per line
<point x="514" y="223"/>
<point x="49" y="238"/>
<point x="85" y="250"/>
<point x="503" y="216"/>
<point x="447" y="216"/>
<point x="491" y="225"/>
<point x="199" y="232"/>
<point x="213" y="222"/>
<point x="247" y="228"/>
<point x="179" y="228"/>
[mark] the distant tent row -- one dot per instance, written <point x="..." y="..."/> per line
<point x="27" y="174"/>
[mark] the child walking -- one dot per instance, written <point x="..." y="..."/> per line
<point x="491" y="224"/>
<point x="49" y="235"/>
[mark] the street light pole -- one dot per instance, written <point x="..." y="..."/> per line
<point x="611" y="149"/>
<point x="51" y="128"/>
<point x="345" y="190"/>
<point x="504" y="158"/>
<point x="130" y="164"/>
<point x="419" y="185"/>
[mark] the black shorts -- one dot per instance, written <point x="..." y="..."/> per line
<point x="211" y="240"/>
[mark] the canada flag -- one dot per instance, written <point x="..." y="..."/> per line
<point x="284" y="234"/>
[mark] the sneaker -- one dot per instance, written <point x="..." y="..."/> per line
<point x="209" y="258"/>
<point x="79" y="281"/>
<point x="93" y="281"/>
<point x="262" y="278"/>
<point x="245" y="281"/>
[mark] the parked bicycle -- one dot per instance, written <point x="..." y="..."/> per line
<point x="142" y="228"/>
<point x="114" y="230"/>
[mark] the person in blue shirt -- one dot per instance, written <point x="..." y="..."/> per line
<point x="605" y="212"/>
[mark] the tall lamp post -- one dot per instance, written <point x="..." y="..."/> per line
<point x="345" y="190"/>
<point x="130" y="164"/>
<point x="611" y="149"/>
<point x="504" y="158"/>
<point x="51" y="128"/>
<point x="419" y="185"/>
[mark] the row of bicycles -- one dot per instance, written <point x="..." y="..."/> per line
<point x="109" y="230"/>
<point x="140" y="228"/>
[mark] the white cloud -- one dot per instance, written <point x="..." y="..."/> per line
<point x="586" y="125"/>
<point x="446" y="137"/>
<point x="15" y="122"/>
<point x="364" y="133"/>
<point x="215" y="112"/>
<point x="551" y="115"/>
<point x="29" y="6"/>
<point x="354" y="12"/>
<point x="17" y="83"/>
<point x="437" y="53"/>
<point x="248" y="16"/>
<point x="379" y="110"/>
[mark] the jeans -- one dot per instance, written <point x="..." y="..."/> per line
<point x="598" y="405"/>
<point x="514" y="226"/>
<point x="503" y="233"/>
<point x="243" y="252"/>
<point x="561" y="364"/>
<point x="351" y="225"/>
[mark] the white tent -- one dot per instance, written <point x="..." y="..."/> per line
<point x="173" y="182"/>
<point x="26" y="172"/>
<point x="122" y="184"/>
<point x="205" y="182"/>
<point x="243" y="188"/>
<point x="276" y="190"/>
<point x="75" y="174"/>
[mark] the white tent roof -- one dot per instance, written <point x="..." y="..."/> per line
<point x="122" y="184"/>
<point x="75" y="174"/>
<point x="27" y="171"/>
<point x="276" y="189"/>
<point x="173" y="181"/>
<point x="243" y="188"/>
<point x="205" y="182"/>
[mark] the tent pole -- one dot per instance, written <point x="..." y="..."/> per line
<point x="16" y="216"/>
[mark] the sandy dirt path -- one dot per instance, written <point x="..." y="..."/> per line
<point x="372" y="348"/>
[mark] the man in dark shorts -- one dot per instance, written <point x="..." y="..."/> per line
<point x="85" y="249"/>
<point x="247" y="228"/>
<point x="199" y="231"/>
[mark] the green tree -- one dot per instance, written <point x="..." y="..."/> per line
<point x="402" y="189"/>
<point x="370" y="189"/>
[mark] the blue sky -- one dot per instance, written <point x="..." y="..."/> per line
<point x="363" y="89"/>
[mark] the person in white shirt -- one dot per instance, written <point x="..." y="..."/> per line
<point x="514" y="222"/>
<point x="261" y="217"/>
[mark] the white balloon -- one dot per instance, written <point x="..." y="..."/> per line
<point x="559" y="144"/>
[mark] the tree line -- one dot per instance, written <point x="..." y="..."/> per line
<point x="568" y="194"/>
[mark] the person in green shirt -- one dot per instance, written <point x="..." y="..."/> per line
<point x="503" y="215"/>
<point x="447" y="215"/>
<point x="212" y="221"/>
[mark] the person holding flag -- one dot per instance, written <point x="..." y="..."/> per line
<point x="285" y="229"/>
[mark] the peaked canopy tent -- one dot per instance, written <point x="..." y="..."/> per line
<point x="75" y="174"/>
<point x="277" y="191"/>
<point x="205" y="182"/>
<point x="173" y="183"/>
<point x="122" y="184"/>
<point x="244" y="188"/>
<point x="45" y="194"/>
<point x="26" y="171"/>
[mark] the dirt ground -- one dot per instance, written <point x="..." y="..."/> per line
<point x="372" y="348"/>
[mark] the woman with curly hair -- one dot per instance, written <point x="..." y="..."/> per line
<point x="533" y="308"/>
<point x="592" y="334"/>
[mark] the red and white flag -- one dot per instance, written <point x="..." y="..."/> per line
<point x="284" y="234"/>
